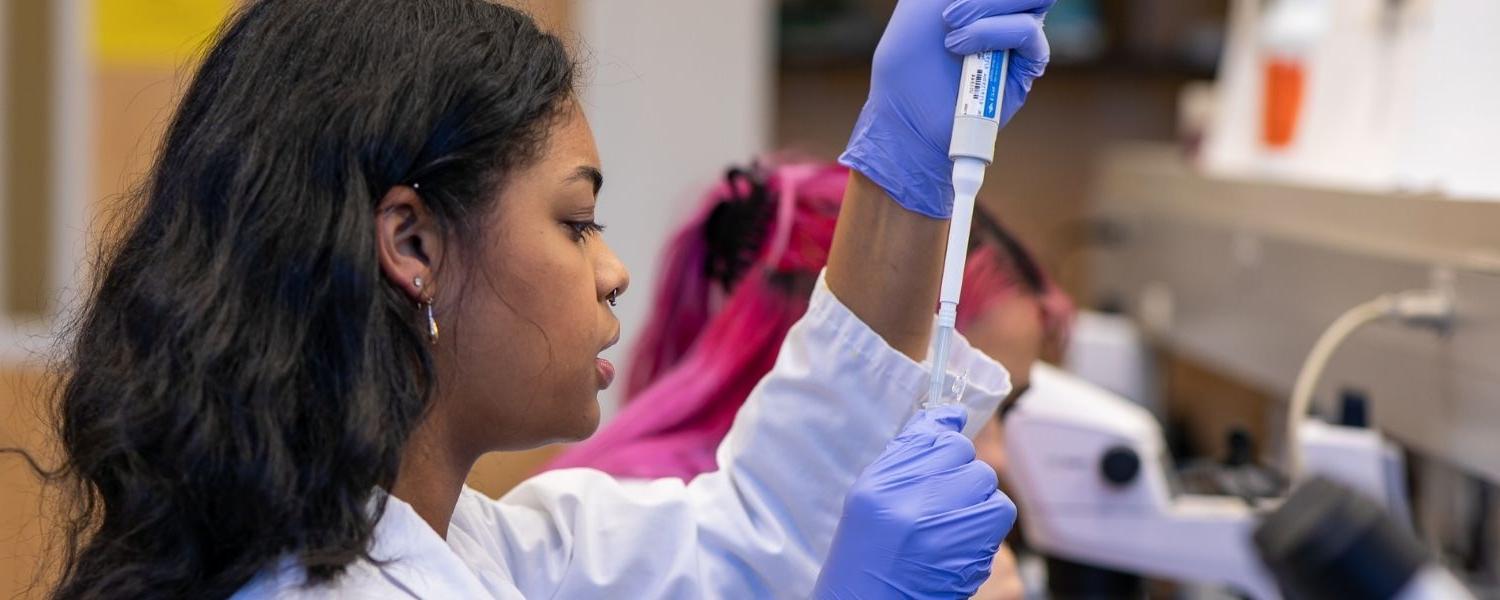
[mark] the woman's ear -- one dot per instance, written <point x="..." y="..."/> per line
<point x="408" y="241"/>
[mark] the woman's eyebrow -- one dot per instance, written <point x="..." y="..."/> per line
<point x="588" y="173"/>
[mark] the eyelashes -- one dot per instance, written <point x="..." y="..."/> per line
<point x="581" y="230"/>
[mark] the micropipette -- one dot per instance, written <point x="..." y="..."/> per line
<point x="976" y="121"/>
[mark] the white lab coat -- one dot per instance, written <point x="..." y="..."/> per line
<point x="759" y="527"/>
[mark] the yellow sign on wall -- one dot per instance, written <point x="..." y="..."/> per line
<point x="155" y="33"/>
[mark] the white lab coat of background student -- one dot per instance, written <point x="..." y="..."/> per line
<point x="760" y="527"/>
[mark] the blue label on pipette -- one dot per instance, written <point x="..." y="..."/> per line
<point x="992" y="93"/>
<point x="980" y="92"/>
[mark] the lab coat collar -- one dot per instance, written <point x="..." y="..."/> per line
<point x="409" y="553"/>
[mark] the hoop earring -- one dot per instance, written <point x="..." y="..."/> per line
<point x="432" y="326"/>
<point x="426" y="306"/>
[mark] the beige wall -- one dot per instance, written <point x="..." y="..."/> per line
<point x="22" y="527"/>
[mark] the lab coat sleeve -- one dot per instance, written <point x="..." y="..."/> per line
<point x="761" y="525"/>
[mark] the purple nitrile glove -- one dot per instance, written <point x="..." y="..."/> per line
<point x="901" y="139"/>
<point x="923" y="521"/>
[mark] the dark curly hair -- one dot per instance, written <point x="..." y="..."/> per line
<point x="242" y="378"/>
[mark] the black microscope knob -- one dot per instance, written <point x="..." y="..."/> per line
<point x="1120" y="465"/>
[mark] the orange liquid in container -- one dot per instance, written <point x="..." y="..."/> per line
<point x="1282" y="103"/>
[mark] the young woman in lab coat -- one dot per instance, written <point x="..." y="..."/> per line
<point x="367" y="255"/>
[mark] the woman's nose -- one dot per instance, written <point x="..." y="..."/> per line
<point x="614" y="278"/>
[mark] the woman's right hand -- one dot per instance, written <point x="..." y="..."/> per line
<point x="901" y="138"/>
<point x="923" y="521"/>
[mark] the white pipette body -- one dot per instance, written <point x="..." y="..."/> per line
<point x="976" y="122"/>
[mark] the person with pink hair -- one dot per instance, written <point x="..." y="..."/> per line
<point x="738" y="275"/>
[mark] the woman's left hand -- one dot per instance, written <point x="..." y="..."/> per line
<point x="922" y="521"/>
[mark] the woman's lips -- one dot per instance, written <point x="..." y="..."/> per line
<point x="606" y="372"/>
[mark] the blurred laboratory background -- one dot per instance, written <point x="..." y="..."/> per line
<point x="1215" y="182"/>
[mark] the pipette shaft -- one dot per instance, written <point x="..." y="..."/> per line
<point x="976" y="121"/>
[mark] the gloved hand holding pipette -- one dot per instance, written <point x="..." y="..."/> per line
<point x="902" y="138"/>
<point x="923" y="521"/>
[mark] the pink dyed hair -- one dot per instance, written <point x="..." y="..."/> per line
<point x="807" y="199"/>
<point x="705" y="348"/>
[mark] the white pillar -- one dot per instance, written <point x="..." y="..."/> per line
<point x="676" y="91"/>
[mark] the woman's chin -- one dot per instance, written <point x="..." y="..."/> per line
<point x="585" y="422"/>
